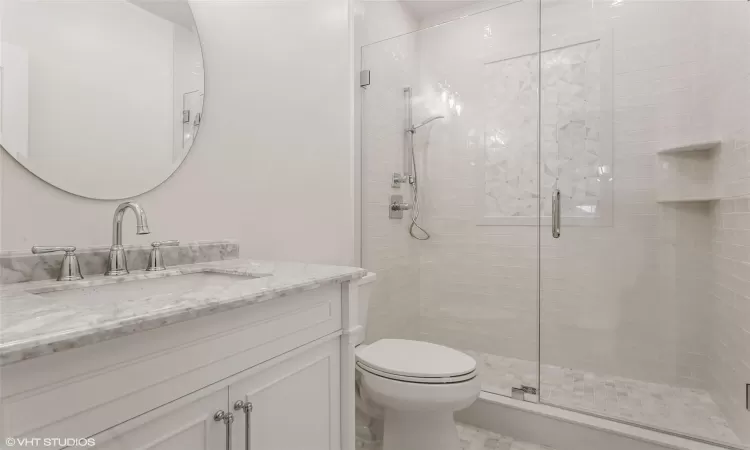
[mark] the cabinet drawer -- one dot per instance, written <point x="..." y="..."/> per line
<point x="80" y="392"/>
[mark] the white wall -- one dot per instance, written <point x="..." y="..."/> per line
<point x="272" y="164"/>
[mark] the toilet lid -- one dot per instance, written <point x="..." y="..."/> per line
<point x="415" y="359"/>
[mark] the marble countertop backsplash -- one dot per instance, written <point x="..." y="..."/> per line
<point x="32" y="325"/>
<point x="24" y="266"/>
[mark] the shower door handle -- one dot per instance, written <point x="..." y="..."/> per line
<point x="556" y="213"/>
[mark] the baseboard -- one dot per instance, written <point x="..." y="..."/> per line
<point x="568" y="430"/>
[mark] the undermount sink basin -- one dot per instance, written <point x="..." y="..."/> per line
<point x="124" y="290"/>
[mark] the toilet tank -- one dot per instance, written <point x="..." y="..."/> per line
<point x="365" y="285"/>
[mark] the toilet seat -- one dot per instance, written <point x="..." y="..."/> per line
<point x="418" y="380"/>
<point x="416" y="362"/>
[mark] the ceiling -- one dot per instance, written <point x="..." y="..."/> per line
<point x="176" y="11"/>
<point x="421" y="9"/>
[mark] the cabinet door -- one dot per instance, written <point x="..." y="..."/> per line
<point x="295" y="404"/>
<point x="185" y="424"/>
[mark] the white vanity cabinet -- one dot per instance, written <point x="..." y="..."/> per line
<point x="293" y="404"/>
<point x="290" y="357"/>
<point x="187" y="425"/>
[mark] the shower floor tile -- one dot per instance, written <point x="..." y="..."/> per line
<point x="473" y="438"/>
<point x="661" y="406"/>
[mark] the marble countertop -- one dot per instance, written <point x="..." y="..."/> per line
<point x="32" y="325"/>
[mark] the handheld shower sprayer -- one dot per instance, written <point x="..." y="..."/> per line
<point x="412" y="160"/>
<point x="414" y="128"/>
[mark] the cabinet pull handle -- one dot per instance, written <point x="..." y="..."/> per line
<point x="247" y="408"/>
<point x="227" y="418"/>
<point x="556" y="213"/>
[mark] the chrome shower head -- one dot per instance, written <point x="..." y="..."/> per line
<point x="415" y="127"/>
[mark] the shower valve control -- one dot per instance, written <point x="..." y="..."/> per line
<point x="397" y="207"/>
<point x="397" y="179"/>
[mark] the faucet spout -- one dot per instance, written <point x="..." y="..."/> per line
<point x="118" y="264"/>
<point x="140" y="219"/>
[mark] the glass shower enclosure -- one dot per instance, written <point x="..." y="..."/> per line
<point x="470" y="287"/>
<point x="583" y="188"/>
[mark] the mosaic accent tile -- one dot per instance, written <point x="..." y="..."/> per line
<point x="679" y="409"/>
<point x="511" y="139"/>
<point x="570" y="133"/>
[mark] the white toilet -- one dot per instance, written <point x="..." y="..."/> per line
<point x="416" y="385"/>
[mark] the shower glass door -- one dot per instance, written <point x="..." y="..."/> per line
<point x="473" y="285"/>
<point x="639" y="293"/>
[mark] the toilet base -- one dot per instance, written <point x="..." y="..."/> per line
<point x="420" y="430"/>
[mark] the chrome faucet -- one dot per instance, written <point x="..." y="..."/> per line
<point x="118" y="264"/>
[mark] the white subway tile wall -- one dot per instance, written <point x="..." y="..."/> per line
<point x="386" y="245"/>
<point x="729" y="299"/>
<point x="729" y="321"/>
<point x="662" y="295"/>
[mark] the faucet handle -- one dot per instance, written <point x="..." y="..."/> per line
<point x="37" y="249"/>
<point x="155" y="260"/>
<point x="70" y="270"/>
<point x="171" y="243"/>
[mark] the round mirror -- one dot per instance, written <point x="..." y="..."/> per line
<point x="100" y="98"/>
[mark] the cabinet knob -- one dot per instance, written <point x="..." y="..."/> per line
<point x="227" y="418"/>
<point x="244" y="406"/>
<point x="247" y="407"/>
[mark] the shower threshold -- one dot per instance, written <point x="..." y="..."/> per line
<point x="661" y="407"/>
